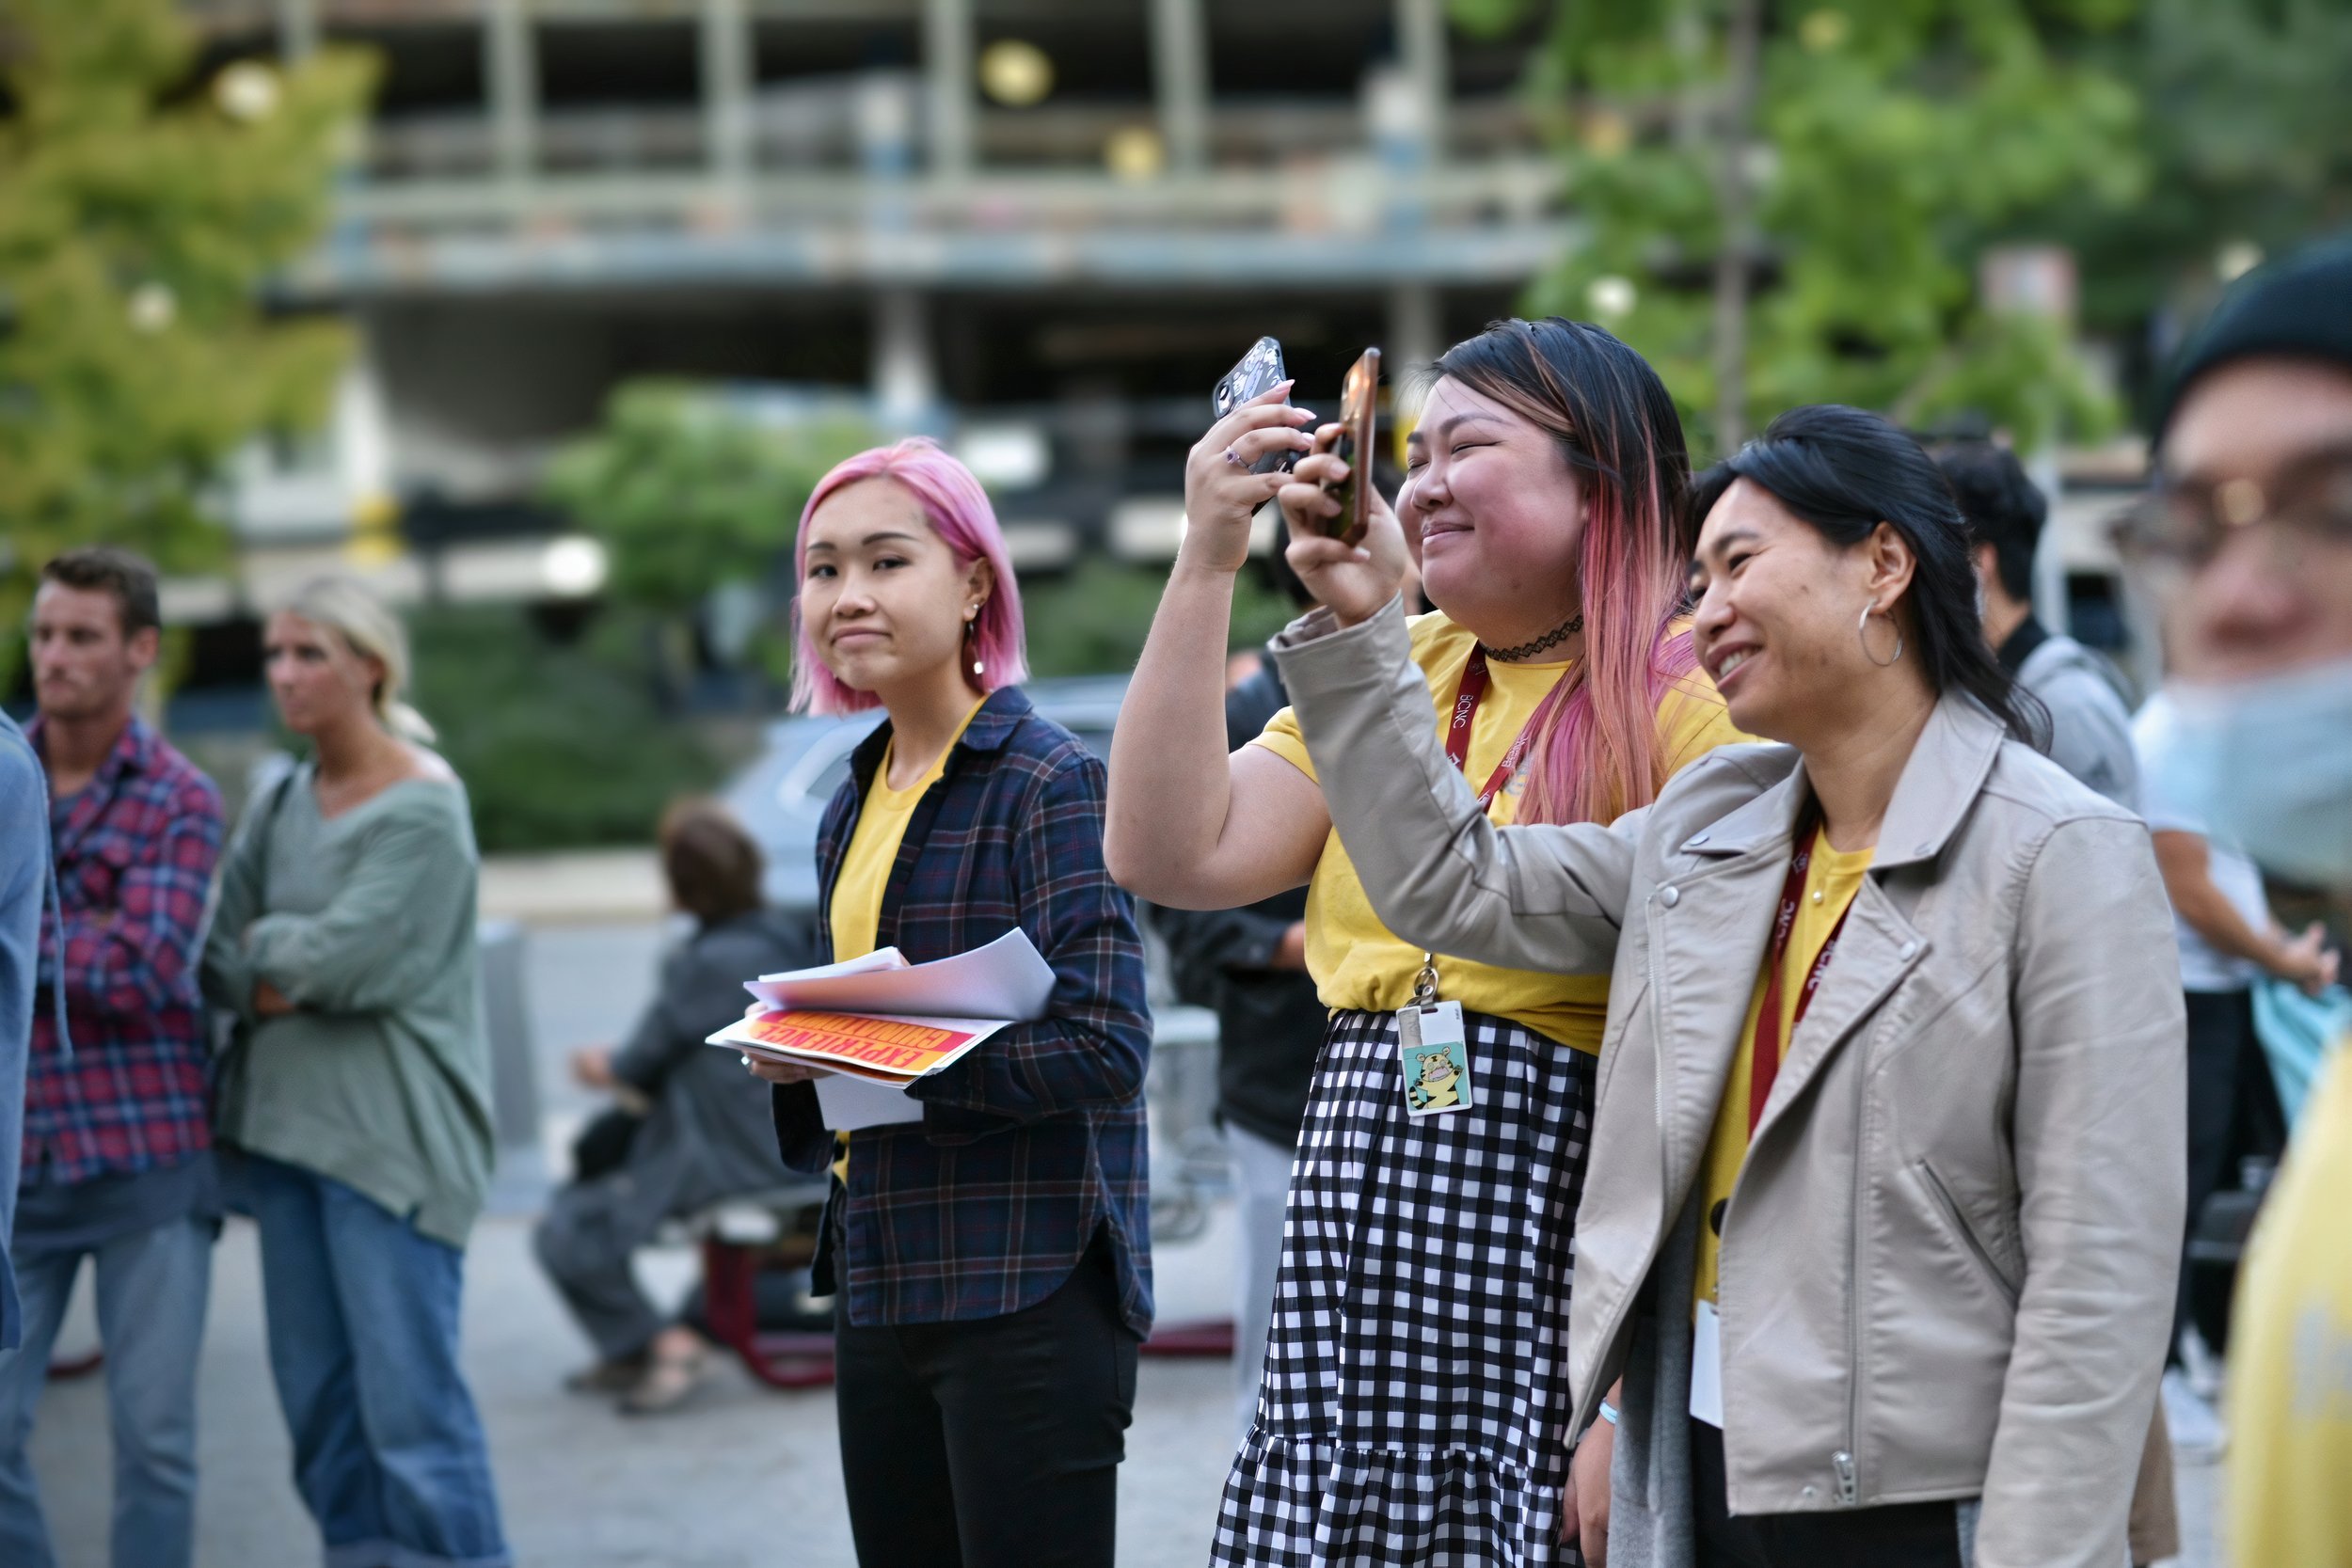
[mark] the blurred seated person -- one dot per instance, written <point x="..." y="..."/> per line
<point x="705" y="1135"/>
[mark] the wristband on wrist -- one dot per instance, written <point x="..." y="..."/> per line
<point x="1608" y="1412"/>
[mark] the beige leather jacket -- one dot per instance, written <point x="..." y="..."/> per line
<point x="1947" y="1267"/>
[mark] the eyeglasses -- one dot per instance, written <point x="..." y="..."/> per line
<point x="2182" y="528"/>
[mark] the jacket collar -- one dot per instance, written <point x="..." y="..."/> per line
<point x="999" y="716"/>
<point x="1946" y="770"/>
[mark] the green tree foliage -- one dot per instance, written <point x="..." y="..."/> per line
<point x="2249" y="128"/>
<point x="1888" y="144"/>
<point x="561" y="743"/>
<point x="1093" y="622"/>
<point x="695" y="499"/>
<point x="689" y="494"/>
<point x="141" y="212"/>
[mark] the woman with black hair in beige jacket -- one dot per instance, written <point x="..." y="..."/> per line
<point x="1875" y="1257"/>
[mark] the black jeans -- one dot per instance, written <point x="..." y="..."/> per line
<point x="991" y="1443"/>
<point x="1895" y="1535"/>
<point x="2233" y="1111"/>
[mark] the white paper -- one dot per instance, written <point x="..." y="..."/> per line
<point x="1707" y="1366"/>
<point x="881" y="958"/>
<point x="849" y="1103"/>
<point x="1007" y="979"/>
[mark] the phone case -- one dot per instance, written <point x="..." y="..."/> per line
<point x="1256" y="371"/>
<point x="1359" y="400"/>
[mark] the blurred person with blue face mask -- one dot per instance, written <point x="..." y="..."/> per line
<point x="2246" y="539"/>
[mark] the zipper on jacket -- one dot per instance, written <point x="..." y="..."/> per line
<point x="1843" y="1460"/>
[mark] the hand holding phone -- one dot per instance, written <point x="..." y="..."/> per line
<point x="1346" y="544"/>
<point x="1359" y="399"/>
<point x="1254" y="374"/>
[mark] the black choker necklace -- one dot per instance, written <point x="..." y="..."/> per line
<point x="1551" y="638"/>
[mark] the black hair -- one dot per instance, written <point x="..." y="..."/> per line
<point x="1845" y="470"/>
<point x="2298" y="308"/>
<point x="101" y="569"/>
<point x="2002" y="507"/>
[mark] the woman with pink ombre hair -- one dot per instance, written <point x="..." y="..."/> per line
<point x="990" y="1259"/>
<point x="1414" y="1405"/>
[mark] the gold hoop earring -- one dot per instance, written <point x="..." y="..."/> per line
<point x="1862" y="632"/>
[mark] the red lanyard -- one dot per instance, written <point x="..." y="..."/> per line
<point x="1765" y="1064"/>
<point x="1457" y="735"/>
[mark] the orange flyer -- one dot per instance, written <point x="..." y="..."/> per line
<point x="871" y="1046"/>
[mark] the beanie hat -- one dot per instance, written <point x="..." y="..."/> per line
<point x="2299" y="307"/>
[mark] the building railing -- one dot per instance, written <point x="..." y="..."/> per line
<point x="1341" y="194"/>
<point x="812" y="126"/>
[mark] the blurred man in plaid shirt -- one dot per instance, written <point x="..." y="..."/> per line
<point x="117" y="1161"/>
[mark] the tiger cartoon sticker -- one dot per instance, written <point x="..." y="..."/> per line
<point x="1437" y="1077"/>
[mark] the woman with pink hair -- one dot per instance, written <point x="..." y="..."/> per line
<point x="990" y="1262"/>
<point x="1414" y="1404"/>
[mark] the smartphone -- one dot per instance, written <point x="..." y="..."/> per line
<point x="1257" y="372"/>
<point x="1359" y="396"/>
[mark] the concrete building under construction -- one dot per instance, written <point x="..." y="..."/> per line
<point x="1039" y="228"/>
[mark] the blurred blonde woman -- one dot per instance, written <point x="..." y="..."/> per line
<point x="357" y="1098"/>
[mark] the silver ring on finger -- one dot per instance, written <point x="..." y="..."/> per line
<point x="1235" y="458"/>
<point x="745" y="1060"/>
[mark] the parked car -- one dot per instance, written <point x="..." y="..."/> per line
<point x="780" y="796"/>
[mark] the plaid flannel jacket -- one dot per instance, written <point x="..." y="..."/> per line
<point x="1035" y="1140"/>
<point x="134" y="853"/>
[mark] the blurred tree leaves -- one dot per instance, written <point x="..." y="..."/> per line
<point x="2249" y="128"/>
<point x="696" y="502"/>
<point x="1891" y="142"/>
<point x="1092" y="621"/>
<point x="141" y="212"/>
<point x="561" y="743"/>
<point x="689" y="494"/>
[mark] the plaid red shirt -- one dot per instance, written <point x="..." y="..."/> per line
<point x="1034" y="1141"/>
<point x="135" y="849"/>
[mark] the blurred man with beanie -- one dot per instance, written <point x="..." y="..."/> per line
<point x="2246" y="539"/>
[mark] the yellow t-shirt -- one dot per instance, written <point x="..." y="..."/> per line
<point x="882" y="825"/>
<point x="1830" y="885"/>
<point x="855" y="912"/>
<point x="1357" y="965"/>
<point x="2290" y="1397"/>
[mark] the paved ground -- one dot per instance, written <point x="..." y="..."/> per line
<point x="746" y="1476"/>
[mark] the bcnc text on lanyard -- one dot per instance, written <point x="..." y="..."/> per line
<point x="1467" y="697"/>
<point x="1433" y="1048"/>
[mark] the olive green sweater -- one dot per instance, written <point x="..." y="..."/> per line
<point x="380" y="1079"/>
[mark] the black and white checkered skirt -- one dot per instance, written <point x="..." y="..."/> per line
<point x="1414" y="1404"/>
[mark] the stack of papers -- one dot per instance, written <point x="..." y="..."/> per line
<point x="878" y="1024"/>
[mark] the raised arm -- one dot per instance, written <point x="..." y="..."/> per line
<point x="1189" y="825"/>
<point x="2099" y="1126"/>
<point x="1438" y="873"/>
